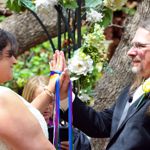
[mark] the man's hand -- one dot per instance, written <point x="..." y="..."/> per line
<point x="64" y="145"/>
<point x="59" y="64"/>
<point x="65" y="79"/>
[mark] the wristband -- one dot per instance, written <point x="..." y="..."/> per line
<point x="54" y="74"/>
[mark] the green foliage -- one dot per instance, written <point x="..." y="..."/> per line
<point x="93" y="52"/>
<point x="68" y="4"/>
<point x="87" y="72"/>
<point x="19" y="5"/>
<point x="14" y="5"/>
<point x="2" y="18"/>
<point x="129" y="11"/>
<point x="108" y="16"/>
<point x="93" y="3"/>
<point x="90" y="80"/>
<point x="28" y="4"/>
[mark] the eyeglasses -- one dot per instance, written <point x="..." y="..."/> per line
<point x="10" y="53"/>
<point x="139" y="45"/>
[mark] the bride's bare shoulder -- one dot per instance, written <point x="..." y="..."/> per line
<point x="7" y="96"/>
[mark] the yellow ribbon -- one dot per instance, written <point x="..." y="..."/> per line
<point x="54" y="76"/>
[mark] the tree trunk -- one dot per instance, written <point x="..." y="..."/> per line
<point x="118" y="74"/>
<point x="27" y="29"/>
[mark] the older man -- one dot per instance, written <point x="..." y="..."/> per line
<point x="127" y="122"/>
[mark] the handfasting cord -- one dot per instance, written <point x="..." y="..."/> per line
<point x="56" y="138"/>
<point x="70" y="120"/>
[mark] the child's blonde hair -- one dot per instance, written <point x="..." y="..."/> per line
<point x="32" y="84"/>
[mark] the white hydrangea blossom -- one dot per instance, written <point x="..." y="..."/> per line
<point x="94" y="16"/>
<point x="80" y="64"/>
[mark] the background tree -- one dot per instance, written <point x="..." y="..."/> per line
<point x="27" y="29"/>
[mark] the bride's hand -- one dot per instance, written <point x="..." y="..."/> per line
<point x="57" y="64"/>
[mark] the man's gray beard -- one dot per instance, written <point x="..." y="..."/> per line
<point x="136" y="70"/>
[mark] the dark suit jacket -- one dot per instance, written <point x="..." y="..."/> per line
<point x="80" y="140"/>
<point x="133" y="133"/>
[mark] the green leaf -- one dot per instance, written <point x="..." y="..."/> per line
<point x="28" y="4"/>
<point x="46" y="45"/>
<point x="93" y="3"/>
<point x="129" y="11"/>
<point x="2" y="18"/>
<point x="107" y="19"/>
<point x="14" y="5"/>
<point x="36" y="49"/>
<point x="69" y="4"/>
<point x="19" y="5"/>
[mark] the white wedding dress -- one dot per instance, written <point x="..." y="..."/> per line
<point x="35" y="112"/>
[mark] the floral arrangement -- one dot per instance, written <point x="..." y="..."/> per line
<point x="18" y="5"/>
<point x="83" y="65"/>
<point x="88" y="62"/>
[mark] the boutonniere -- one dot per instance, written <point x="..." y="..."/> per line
<point x="146" y="90"/>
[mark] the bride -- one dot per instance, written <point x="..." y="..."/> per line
<point x="22" y="127"/>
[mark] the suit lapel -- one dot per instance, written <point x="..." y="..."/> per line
<point x="132" y="110"/>
<point x="120" y="104"/>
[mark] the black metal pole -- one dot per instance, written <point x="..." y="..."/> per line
<point x="59" y="30"/>
<point x="44" y="28"/>
<point x="78" y="11"/>
<point x="59" y="10"/>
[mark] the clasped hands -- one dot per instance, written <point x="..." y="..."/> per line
<point x="58" y="64"/>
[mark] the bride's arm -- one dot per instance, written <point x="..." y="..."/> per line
<point x="18" y="127"/>
<point x="47" y="96"/>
